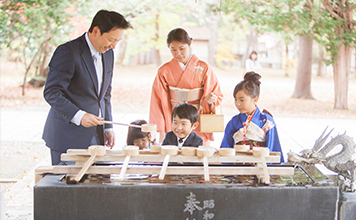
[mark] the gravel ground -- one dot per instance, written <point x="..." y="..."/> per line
<point x="17" y="159"/>
<point x="132" y="88"/>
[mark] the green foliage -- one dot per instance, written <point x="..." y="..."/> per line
<point x="28" y="27"/>
<point x="152" y="20"/>
<point x="33" y="22"/>
<point x="299" y="18"/>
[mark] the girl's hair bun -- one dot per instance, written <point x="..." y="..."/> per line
<point x="253" y="76"/>
<point x="250" y="84"/>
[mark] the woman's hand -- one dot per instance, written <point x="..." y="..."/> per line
<point x="211" y="98"/>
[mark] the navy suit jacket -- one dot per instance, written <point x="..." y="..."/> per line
<point x="72" y="85"/>
<point x="193" y="140"/>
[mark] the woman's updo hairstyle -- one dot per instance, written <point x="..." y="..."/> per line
<point x="179" y="34"/>
<point x="250" y="84"/>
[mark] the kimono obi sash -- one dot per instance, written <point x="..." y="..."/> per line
<point x="191" y="96"/>
<point x="252" y="143"/>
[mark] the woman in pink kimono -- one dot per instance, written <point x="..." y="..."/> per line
<point x="185" y="78"/>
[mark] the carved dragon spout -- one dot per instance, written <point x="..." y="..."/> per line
<point x="340" y="162"/>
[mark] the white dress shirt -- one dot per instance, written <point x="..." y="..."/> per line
<point x="180" y="145"/>
<point x="99" y="74"/>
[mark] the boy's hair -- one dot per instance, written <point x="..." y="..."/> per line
<point x="250" y="84"/>
<point x="136" y="133"/>
<point x="186" y="110"/>
<point x="108" y="20"/>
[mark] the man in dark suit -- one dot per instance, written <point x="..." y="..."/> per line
<point x="184" y="121"/>
<point x="78" y="87"/>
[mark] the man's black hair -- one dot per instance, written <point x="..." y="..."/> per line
<point x="108" y="20"/>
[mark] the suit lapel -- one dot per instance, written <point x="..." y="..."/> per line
<point x="88" y="60"/>
<point x="174" y="139"/>
<point x="189" y="140"/>
<point x="106" y="73"/>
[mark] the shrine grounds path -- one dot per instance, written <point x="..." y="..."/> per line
<point x="299" y="122"/>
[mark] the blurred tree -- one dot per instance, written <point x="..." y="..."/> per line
<point x="34" y="27"/>
<point x="288" y="19"/>
<point x="329" y="22"/>
<point x="335" y="29"/>
<point x="151" y="21"/>
<point x="302" y="87"/>
<point x="321" y="61"/>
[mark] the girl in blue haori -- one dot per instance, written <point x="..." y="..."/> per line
<point x="251" y="127"/>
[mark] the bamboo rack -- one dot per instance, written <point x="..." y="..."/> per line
<point x="81" y="156"/>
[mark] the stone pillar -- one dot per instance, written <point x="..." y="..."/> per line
<point x="347" y="206"/>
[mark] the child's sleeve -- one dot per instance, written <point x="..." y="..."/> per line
<point x="272" y="141"/>
<point x="228" y="141"/>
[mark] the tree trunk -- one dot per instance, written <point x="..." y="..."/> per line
<point x="30" y="65"/>
<point x="251" y="42"/>
<point x="321" y="62"/>
<point x="157" y="53"/>
<point x="286" y="73"/>
<point x="302" y="88"/>
<point x="213" y="22"/>
<point x="122" y="50"/>
<point x="42" y="70"/>
<point x="27" y="71"/>
<point x="341" y="66"/>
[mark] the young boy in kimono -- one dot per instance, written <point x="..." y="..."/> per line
<point x="251" y="126"/>
<point x="184" y="121"/>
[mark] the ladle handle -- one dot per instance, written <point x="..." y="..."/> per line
<point x="86" y="166"/>
<point x="124" y="168"/>
<point x="164" y="167"/>
<point x="118" y="123"/>
<point x="206" y="169"/>
<point x="265" y="171"/>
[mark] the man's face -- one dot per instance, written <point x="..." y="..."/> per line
<point x="106" y="41"/>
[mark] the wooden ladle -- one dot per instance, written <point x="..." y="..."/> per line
<point x="262" y="152"/>
<point x="166" y="150"/>
<point x="205" y="152"/>
<point x="94" y="150"/>
<point x="128" y="151"/>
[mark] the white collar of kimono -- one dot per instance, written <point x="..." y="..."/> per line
<point x="182" y="64"/>
<point x="253" y="132"/>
